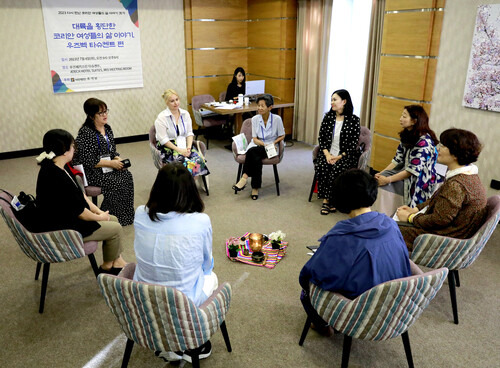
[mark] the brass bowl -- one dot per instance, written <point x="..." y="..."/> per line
<point x="257" y="257"/>
<point x="255" y="242"/>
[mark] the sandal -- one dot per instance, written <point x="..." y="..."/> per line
<point x="325" y="209"/>
<point x="332" y="209"/>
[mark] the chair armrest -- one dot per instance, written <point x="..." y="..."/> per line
<point x="217" y="305"/>
<point x="128" y="271"/>
<point x="415" y="270"/>
<point x="281" y="149"/>
<point x="437" y="251"/>
<point x="198" y="118"/>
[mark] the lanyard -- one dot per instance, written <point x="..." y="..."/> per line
<point x="262" y="128"/>
<point x="175" y="125"/>
<point x="99" y="141"/>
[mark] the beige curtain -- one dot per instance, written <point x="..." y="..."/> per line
<point x="372" y="64"/>
<point x="313" y="37"/>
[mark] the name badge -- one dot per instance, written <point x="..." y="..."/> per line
<point x="106" y="169"/>
<point x="180" y="142"/>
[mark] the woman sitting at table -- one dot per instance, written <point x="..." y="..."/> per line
<point x="458" y="208"/>
<point x="173" y="241"/>
<point x="174" y="133"/>
<point x="267" y="129"/>
<point x="64" y="206"/>
<point x="237" y="85"/>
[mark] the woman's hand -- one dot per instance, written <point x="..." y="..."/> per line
<point x="382" y="180"/>
<point x="409" y="209"/>
<point x="116" y="164"/>
<point x="103" y="216"/>
<point x="184" y="152"/>
<point x="331" y="159"/>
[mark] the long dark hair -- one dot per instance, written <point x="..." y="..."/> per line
<point x="91" y="107"/>
<point x="58" y="141"/>
<point x="174" y="190"/>
<point x="236" y="71"/>
<point x="344" y="95"/>
<point x="421" y="127"/>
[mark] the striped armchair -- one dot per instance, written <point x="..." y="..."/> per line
<point x="436" y="251"/>
<point x="162" y="318"/>
<point x="383" y="312"/>
<point x="48" y="247"/>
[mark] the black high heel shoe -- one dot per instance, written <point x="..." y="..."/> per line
<point x="236" y="189"/>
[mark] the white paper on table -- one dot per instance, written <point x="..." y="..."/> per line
<point x="241" y="143"/>
<point x="396" y="218"/>
<point x="271" y="150"/>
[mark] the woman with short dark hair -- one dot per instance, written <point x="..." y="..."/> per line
<point x="458" y="208"/>
<point x="412" y="172"/>
<point x="357" y="253"/>
<point x="96" y="151"/>
<point x="338" y="145"/>
<point x="63" y="205"/>
<point x="267" y="129"/>
<point x="173" y="241"/>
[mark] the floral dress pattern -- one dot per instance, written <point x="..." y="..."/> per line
<point x="195" y="163"/>
<point x="420" y="162"/>
<point x="117" y="186"/>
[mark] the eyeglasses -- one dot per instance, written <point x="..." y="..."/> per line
<point x="101" y="113"/>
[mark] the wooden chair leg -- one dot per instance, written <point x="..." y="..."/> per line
<point x="457" y="278"/>
<point x="223" y="329"/>
<point x="45" y="280"/>
<point x="406" y="343"/>
<point x="346" y="351"/>
<point x="238" y="176"/>
<point x="305" y="331"/>
<point x="203" y="177"/>
<point x="128" y="351"/>
<point x="453" y="296"/>
<point x="315" y="179"/>
<point x="93" y="263"/>
<point x="37" y="272"/>
<point x="276" y="179"/>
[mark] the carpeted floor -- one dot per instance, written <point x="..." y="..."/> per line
<point x="265" y="318"/>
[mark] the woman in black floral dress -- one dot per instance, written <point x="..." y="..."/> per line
<point x="338" y="145"/>
<point x="96" y="150"/>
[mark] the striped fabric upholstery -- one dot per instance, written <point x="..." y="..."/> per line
<point x="160" y="317"/>
<point x="155" y="153"/>
<point x="48" y="247"/>
<point x="383" y="312"/>
<point x="440" y="251"/>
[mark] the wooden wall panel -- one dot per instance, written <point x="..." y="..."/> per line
<point x="391" y="5"/>
<point x="216" y="9"/>
<point x="407" y="33"/>
<point x="219" y="61"/>
<point x="265" y="33"/>
<point x="210" y="85"/>
<point x="402" y="77"/>
<point x="436" y="32"/>
<point x="261" y="9"/>
<point x="219" y="34"/>
<point x="429" y="83"/>
<point x="383" y="151"/>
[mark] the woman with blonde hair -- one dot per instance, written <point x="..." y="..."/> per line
<point x="174" y="134"/>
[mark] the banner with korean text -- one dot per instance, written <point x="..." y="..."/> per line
<point x="93" y="44"/>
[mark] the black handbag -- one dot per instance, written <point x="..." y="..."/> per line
<point x="25" y="210"/>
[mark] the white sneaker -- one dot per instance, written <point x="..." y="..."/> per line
<point x="169" y="356"/>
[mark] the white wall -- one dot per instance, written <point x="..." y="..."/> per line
<point x="447" y="110"/>
<point x="28" y="106"/>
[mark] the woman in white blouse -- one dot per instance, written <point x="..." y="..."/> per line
<point x="174" y="134"/>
